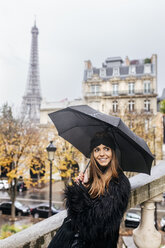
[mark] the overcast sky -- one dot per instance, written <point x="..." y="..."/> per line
<point x="70" y="32"/>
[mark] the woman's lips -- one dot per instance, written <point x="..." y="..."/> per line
<point x="102" y="159"/>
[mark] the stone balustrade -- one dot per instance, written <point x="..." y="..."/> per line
<point x="145" y="191"/>
<point x="36" y="236"/>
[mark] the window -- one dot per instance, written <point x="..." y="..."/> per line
<point x="147" y="105"/>
<point x="95" y="89"/>
<point x="131" y="87"/>
<point x="115" y="71"/>
<point x="102" y="72"/>
<point x="89" y="73"/>
<point x="147" y="86"/>
<point x="6" y="205"/>
<point x="41" y="208"/>
<point x="146" y="125"/>
<point x="132" y="70"/>
<point x="18" y="204"/>
<point x="131" y="106"/>
<point x="115" y="106"/>
<point x="115" y="89"/>
<point x="147" y="68"/>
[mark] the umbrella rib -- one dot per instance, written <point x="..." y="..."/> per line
<point x="82" y="126"/>
<point x="93" y="117"/>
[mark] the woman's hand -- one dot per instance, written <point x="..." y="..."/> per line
<point x="80" y="178"/>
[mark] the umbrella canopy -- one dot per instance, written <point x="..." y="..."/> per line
<point x="78" y="125"/>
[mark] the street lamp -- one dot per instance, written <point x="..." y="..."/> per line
<point x="154" y="126"/>
<point x="51" y="151"/>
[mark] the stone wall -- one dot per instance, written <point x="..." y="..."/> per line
<point x="36" y="236"/>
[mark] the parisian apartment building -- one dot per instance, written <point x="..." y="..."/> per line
<point x="122" y="86"/>
<point x="127" y="88"/>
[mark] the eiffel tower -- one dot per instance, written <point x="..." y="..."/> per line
<point x="32" y="98"/>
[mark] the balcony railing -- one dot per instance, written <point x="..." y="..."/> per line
<point x="147" y="111"/>
<point x="146" y="190"/>
<point x="120" y="93"/>
<point x="117" y="112"/>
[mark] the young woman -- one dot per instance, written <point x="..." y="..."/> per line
<point x="96" y="207"/>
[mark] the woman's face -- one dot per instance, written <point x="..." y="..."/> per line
<point x="103" y="154"/>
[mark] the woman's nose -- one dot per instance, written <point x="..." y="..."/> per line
<point x="101" y="152"/>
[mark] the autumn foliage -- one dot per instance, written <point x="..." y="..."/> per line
<point x="20" y="149"/>
<point x="23" y="153"/>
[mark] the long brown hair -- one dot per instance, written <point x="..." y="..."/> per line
<point x="98" y="182"/>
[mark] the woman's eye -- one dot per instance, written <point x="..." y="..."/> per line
<point x="106" y="148"/>
<point x="96" y="150"/>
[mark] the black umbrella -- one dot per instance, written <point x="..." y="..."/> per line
<point x="78" y="125"/>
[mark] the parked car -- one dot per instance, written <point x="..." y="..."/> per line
<point x="21" y="186"/>
<point x="20" y="209"/>
<point x="42" y="211"/>
<point x="162" y="223"/>
<point x="132" y="220"/>
<point x="4" y="184"/>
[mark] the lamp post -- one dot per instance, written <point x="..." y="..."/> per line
<point x="154" y="145"/>
<point x="156" y="217"/>
<point x="51" y="151"/>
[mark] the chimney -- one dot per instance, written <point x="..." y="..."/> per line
<point x="154" y="58"/>
<point x="88" y="65"/>
<point x="127" y="61"/>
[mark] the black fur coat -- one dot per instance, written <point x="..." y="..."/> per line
<point x="96" y="221"/>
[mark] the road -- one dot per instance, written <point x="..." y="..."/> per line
<point x="34" y="196"/>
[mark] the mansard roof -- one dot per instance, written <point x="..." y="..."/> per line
<point x="135" y="68"/>
<point x="124" y="70"/>
<point x="114" y="59"/>
<point x="139" y="69"/>
<point x="109" y="71"/>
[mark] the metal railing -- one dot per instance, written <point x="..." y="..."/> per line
<point x="147" y="111"/>
<point x="120" y="93"/>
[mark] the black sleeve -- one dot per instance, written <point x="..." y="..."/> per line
<point x="64" y="236"/>
<point x="100" y="216"/>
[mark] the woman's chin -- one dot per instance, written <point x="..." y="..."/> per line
<point x="103" y="164"/>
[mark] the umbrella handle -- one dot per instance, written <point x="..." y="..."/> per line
<point x="86" y="167"/>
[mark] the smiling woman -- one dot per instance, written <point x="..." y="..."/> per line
<point x="96" y="207"/>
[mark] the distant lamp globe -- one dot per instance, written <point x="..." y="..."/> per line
<point x="51" y="151"/>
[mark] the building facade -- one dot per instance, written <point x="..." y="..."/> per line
<point x="120" y="87"/>
<point x="49" y="107"/>
<point x="127" y="89"/>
